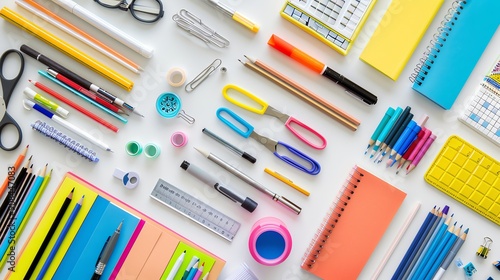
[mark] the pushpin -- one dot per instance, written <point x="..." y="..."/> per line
<point x="485" y="248"/>
<point x="130" y="180"/>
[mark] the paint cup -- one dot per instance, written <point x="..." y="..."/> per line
<point x="270" y="241"/>
<point x="152" y="150"/>
<point x="133" y="148"/>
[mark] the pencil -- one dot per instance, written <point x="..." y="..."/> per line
<point x="52" y="40"/>
<point x="396" y="240"/>
<point x="23" y="210"/>
<point x="451" y="255"/>
<point x="49" y="235"/>
<point x="442" y="254"/>
<point x="15" y="167"/>
<point x="60" y="239"/>
<point x="75" y="106"/>
<point x="310" y="100"/>
<point x="13" y="189"/>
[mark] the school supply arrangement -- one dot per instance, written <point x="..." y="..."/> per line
<point x="398" y="34"/>
<point x="107" y="239"/>
<point x="437" y="76"/>
<point x="365" y="203"/>
<point x="483" y="112"/>
<point x="335" y="23"/>
<point x="468" y="175"/>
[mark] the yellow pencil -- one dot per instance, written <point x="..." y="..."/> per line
<point x="66" y="48"/>
<point x="286" y="181"/>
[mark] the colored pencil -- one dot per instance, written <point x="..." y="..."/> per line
<point x="60" y="239"/>
<point x="15" y="166"/>
<point x="451" y="255"/>
<point x="446" y="249"/>
<point x="49" y="235"/>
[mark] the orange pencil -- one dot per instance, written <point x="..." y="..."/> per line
<point x="16" y="165"/>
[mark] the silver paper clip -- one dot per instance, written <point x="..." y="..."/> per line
<point x="203" y="75"/>
<point x="193" y="25"/>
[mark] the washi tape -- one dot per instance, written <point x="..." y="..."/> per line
<point x="176" y="77"/>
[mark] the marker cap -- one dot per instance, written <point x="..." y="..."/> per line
<point x="298" y="55"/>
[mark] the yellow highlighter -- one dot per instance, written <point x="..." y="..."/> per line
<point x="234" y="15"/>
<point x="54" y="107"/>
<point x="286" y="181"/>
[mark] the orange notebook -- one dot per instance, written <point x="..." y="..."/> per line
<point x="352" y="228"/>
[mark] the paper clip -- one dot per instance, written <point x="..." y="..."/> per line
<point x="193" y="25"/>
<point x="485" y="248"/>
<point x="203" y="75"/>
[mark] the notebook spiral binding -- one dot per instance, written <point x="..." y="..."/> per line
<point x="347" y="191"/>
<point x="65" y="140"/>
<point x="437" y="42"/>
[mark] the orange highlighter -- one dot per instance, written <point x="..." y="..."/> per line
<point x="322" y="69"/>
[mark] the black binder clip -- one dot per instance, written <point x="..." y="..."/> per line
<point x="485" y="248"/>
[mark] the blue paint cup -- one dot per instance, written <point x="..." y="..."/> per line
<point x="270" y="241"/>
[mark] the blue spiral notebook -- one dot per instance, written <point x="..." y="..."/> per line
<point x="462" y="38"/>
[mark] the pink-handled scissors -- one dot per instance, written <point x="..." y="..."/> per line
<point x="265" y="109"/>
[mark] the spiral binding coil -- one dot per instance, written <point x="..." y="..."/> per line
<point x="437" y="42"/>
<point x="65" y="140"/>
<point x="347" y="191"/>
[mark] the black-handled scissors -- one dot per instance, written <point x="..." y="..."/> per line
<point x="8" y="86"/>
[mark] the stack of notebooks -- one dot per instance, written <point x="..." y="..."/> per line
<point x="145" y="249"/>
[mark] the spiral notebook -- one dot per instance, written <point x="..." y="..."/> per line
<point x="391" y="45"/>
<point x="352" y="228"/>
<point x="457" y="47"/>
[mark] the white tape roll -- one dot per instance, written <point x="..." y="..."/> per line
<point x="176" y="77"/>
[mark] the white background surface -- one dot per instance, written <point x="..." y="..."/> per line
<point x="174" y="48"/>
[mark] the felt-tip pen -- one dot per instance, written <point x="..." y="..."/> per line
<point x="322" y="69"/>
<point x="246" y="202"/>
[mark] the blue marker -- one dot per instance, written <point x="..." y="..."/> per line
<point x="380" y="127"/>
<point x="386" y="130"/>
<point x="408" y="136"/>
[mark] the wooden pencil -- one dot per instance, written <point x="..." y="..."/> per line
<point x="16" y="166"/>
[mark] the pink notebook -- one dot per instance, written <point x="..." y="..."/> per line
<point x="357" y="220"/>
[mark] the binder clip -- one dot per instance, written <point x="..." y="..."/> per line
<point x="485" y="248"/>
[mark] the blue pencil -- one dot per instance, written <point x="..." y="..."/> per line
<point x="434" y="243"/>
<point x="423" y="249"/>
<point x="413" y="244"/>
<point x="426" y="267"/>
<point x="443" y="253"/>
<point x="60" y="239"/>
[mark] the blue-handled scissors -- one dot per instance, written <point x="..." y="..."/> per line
<point x="269" y="143"/>
<point x="8" y="86"/>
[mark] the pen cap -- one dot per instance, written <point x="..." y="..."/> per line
<point x="270" y="241"/>
<point x="249" y="204"/>
<point x="298" y="55"/>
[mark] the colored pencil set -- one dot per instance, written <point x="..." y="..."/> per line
<point x="400" y="137"/>
<point x="433" y="248"/>
<point x="24" y="189"/>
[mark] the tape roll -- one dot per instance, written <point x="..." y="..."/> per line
<point x="176" y="77"/>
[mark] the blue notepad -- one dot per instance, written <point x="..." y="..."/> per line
<point x="457" y="50"/>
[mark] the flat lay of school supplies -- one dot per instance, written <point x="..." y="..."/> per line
<point x="224" y="139"/>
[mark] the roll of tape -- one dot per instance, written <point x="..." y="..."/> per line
<point x="178" y="139"/>
<point x="133" y="148"/>
<point x="130" y="180"/>
<point x="152" y="150"/>
<point x="176" y="77"/>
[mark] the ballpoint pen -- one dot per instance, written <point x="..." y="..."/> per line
<point x="322" y="69"/>
<point x="231" y="147"/>
<point x="233" y="14"/>
<point x="246" y="202"/>
<point x="29" y="104"/>
<point x="281" y="199"/>
<point x="54" y="107"/>
<point x="107" y="250"/>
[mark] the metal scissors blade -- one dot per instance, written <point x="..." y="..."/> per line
<point x="8" y="86"/>
<point x="272" y="145"/>
<point x="263" y="108"/>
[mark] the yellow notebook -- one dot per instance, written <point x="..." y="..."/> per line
<point x="398" y="34"/>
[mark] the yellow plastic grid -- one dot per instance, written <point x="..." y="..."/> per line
<point x="468" y="175"/>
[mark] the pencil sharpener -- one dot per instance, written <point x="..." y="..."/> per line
<point x="130" y="180"/>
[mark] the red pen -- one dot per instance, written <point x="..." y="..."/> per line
<point x="75" y="106"/>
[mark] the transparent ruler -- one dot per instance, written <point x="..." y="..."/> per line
<point x="196" y="210"/>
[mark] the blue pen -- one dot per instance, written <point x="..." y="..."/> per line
<point x="408" y="136"/>
<point x="386" y="130"/>
<point x="402" y="126"/>
<point x="380" y="127"/>
<point x="60" y="239"/>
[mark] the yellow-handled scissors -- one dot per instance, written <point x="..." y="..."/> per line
<point x="265" y="109"/>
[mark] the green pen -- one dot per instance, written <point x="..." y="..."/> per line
<point x="380" y="127"/>
<point x="54" y="107"/>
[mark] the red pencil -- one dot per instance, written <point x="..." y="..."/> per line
<point x="75" y="106"/>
